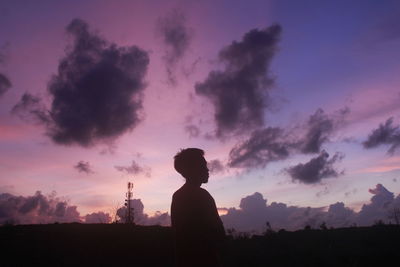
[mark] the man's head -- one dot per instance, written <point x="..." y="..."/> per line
<point x="190" y="163"/>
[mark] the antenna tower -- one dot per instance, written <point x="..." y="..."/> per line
<point x="128" y="203"/>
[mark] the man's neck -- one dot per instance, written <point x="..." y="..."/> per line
<point x="193" y="183"/>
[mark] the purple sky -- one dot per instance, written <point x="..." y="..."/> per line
<point x="284" y="97"/>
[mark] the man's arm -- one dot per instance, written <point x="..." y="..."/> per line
<point x="214" y="224"/>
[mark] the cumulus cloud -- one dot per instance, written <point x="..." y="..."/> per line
<point x="240" y="92"/>
<point x="316" y="169"/>
<point x="381" y="202"/>
<point x="36" y="209"/>
<point x="263" y="147"/>
<point x="340" y="216"/>
<point x="97" y="217"/>
<point x="5" y="84"/>
<point x="385" y="134"/>
<point x="254" y="212"/>
<point x="176" y="37"/>
<point x="134" y="169"/>
<point x="98" y="89"/>
<point x="274" y="144"/>
<point x="142" y="218"/>
<point x="215" y="166"/>
<point x="84" y="166"/>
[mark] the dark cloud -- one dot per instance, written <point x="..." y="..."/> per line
<point x="142" y="218"/>
<point x="97" y="93"/>
<point x="98" y="90"/>
<point x="240" y="92"/>
<point x="215" y="166"/>
<point x="316" y="169"/>
<point x="385" y="134"/>
<point x="5" y="84"/>
<point x="84" y="166"/>
<point x="98" y="217"/>
<point x="318" y="129"/>
<point x="176" y="37"/>
<point x="31" y="108"/>
<point x="254" y="212"/>
<point x="36" y="209"/>
<point x="274" y="144"/>
<point x="134" y="169"/>
<point x="262" y="147"/>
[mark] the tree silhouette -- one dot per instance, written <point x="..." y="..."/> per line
<point x="394" y="214"/>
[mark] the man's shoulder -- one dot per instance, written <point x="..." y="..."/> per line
<point x="185" y="191"/>
<point x="179" y="193"/>
<point x="204" y="192"/>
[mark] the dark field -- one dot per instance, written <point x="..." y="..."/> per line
<point x="127" y="245"/>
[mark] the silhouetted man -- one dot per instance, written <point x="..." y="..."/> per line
<point x="197" y="227"/>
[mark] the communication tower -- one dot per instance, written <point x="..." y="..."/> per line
<point x="128" y="203"/>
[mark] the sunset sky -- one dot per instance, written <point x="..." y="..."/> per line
<point x="94" y="94"/>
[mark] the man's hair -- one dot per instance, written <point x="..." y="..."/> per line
<point x="186" y="160"/>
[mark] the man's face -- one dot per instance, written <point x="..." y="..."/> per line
<point x="203" y="171"/>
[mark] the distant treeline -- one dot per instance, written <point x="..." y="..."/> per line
<point x="127" y="245"/>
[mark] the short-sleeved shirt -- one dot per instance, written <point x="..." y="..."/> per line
<point x="197" y="227"/>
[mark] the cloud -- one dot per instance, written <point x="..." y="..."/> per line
<point x="322" y="192"/>
<point x="142" y="218"/>
<point x="318" y="129"/>
<point x="98" y="90"/>
<point x="381" y="202"/>
<point x="316" y="169"/>
<point x="36" y="209"/>
<point x="385" y="134"/>
<point x="41" y="209"/>
<point x="192" y="130"/>
<point x="274" y="144"/>
<point x="176" y="37"/>
<point x="5" y="84"/>
<point x="134" y="169"/>
<point x="240" y="92"/>
<point x="254" y="212"/>
<point x="84" y="166"/>
<point x="340" y="216"/>
<point x="215" y="166"/>
<point x="31" y="108"/>
<point x="98" y="217"/>
<point x="263" y="146"/>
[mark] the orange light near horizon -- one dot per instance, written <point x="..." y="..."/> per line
<point x="222" y="211"/>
